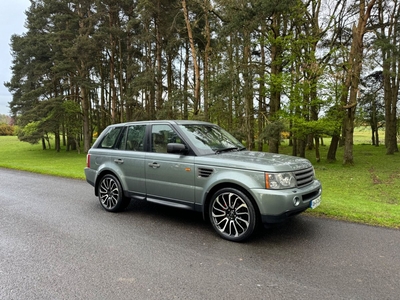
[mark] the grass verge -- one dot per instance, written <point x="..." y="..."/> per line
<point x="15" y="154"/>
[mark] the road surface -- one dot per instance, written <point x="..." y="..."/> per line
<point x="56" y="242"/>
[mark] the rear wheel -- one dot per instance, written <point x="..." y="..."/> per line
<point x="111" y="195"/>
<point x="232" y="214"/>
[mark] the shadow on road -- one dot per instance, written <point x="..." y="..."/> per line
<point x="296" y="230"/>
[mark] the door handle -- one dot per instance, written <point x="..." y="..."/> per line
<point x="119" y="161"/>
<point x="154" y="165"/>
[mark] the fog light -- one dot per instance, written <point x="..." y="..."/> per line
<point x="296" y="201"/>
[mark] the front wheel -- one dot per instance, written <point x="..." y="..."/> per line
<point x="232" y="214"/>
<point x="111" y="195"/>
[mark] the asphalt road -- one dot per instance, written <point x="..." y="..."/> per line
<point x="56" y="242"/>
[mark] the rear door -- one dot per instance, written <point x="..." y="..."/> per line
<point x="130" y="159"/>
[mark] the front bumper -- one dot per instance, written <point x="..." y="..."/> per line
<point x="278" y="205"/>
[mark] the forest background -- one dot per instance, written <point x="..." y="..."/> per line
<point x="304" y="69"/>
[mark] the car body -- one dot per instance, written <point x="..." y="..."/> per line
<point x="199" y="166"/>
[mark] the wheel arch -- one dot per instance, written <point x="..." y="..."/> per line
<point x="223" y="185"/>
<point x="101" y="175"/>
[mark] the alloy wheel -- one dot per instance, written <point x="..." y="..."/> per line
<point x="232" y="215"/>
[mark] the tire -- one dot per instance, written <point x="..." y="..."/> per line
<point x="232" y="214"/>
<point x="111" y="195"/>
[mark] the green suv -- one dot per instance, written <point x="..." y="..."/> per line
<point x="199" y="166"/>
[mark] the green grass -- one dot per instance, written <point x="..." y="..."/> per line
<point x="368" y="192"/>
<point x="24" y="156"/>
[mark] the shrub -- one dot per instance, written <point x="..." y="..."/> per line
<point x="6" y="129"/>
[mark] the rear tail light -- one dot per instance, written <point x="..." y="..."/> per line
<point x="88" y="160"/>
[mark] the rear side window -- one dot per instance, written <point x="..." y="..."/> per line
<point x="133" y="139"/>
<point x="111" y="138"/>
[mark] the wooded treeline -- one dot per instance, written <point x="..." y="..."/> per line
<point x="257" y="68"/>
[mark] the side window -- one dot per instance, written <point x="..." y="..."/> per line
<point x="161" y="135"/>
<point x="135" y="137"/>
<point x="122" y="143"/>
<point x="111" y="137"/>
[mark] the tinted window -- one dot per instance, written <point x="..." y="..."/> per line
<point x="111" y="137"/>
<point x="161" y="135"/>
<point x="133" y="140"/>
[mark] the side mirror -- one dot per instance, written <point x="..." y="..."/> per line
<point x="176" y="148"/>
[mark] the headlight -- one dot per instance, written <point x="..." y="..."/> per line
<point x="279" y="181"/>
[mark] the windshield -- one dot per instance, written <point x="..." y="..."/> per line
<point x="210" y="139"/>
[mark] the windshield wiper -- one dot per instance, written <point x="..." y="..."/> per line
<point x="228" y="149"/>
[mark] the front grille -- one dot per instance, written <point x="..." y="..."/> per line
<point x="203" y="172"/>
<point x="304" y="177"/>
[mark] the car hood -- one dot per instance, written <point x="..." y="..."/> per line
<point x="258" y="161"/>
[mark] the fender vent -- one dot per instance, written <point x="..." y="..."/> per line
<point x="205" y="173"/>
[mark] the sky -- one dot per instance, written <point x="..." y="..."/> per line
<point x="12" y="20"/>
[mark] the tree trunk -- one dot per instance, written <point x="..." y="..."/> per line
<point x="317" y="154"/>
<point x="391" y="70"/>
<point x="276" y="88"/>
<point x="262" y="111"/>
<point x="207" y="51"/>
<point x="186" y="85"/>
<point x="294" y="146"/>
<point x="159" y="79"/>
<point x="331" y="156"/>
<point x="391" y="98"/>
<point x="350" y="91"/>
<point x="301" y="148"/>
<point x="196" y="100"/>
<point x="57" y="141"/>
<point x="113" y="89"/>
<point x="248" y="92"/>
<point x="86" y="120"/>
<point x="348" y="138"/>
<point x="170" y="82"/>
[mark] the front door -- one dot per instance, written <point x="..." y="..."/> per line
<point x="169" y="177"/>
